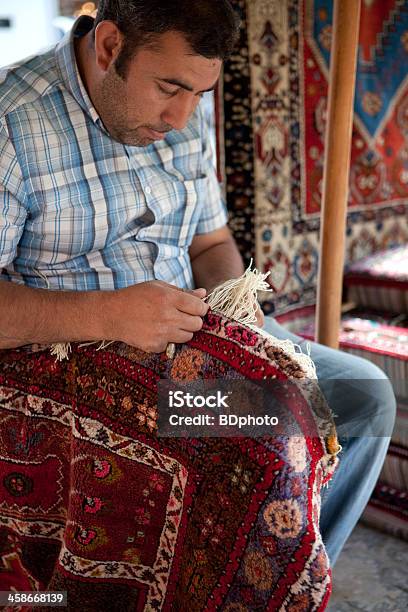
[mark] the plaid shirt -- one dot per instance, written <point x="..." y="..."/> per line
<point x="82" y="210"/>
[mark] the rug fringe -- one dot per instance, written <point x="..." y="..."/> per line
<point x="235" y="299"/>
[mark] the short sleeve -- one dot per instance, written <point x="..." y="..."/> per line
<point x="12" y="211"/>
<point x="214" y="212"/>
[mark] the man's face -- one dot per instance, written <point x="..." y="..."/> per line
<point x="161" y="91"/>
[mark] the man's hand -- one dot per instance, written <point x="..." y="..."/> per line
<point x="260" y="318"/>
<point x="152" y="314"/>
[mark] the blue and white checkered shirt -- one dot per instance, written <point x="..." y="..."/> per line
<point x="82" y="210"/>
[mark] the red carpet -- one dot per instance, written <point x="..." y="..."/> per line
<point x="93" y="502"/>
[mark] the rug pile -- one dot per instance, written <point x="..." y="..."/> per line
<point x="93" y="501"/>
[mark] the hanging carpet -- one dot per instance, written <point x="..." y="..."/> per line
<point x="272" y="116"/>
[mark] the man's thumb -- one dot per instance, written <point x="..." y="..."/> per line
<point x="201" y="292"/>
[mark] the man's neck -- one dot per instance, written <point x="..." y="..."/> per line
<point x="85" y="59"/>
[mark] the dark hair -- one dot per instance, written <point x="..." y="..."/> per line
<point x="209" y="26"/>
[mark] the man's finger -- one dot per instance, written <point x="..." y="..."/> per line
<point x="260" y="318"/>
<point x="201" y="292"/>
<point x="190" y="323"/>
<point x="191" y="304"/>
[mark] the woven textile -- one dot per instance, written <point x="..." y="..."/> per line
<point x="93" y="502"/>
<point x="384" y="345"/>
<point x="388" y="510"/>
<point x="380" y="280"/>
<point x="274" y="138"/>
<point x="388" y="506"/>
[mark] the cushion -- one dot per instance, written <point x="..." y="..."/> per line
<point x="380" y="280"/>
<point x="384" y="345"/>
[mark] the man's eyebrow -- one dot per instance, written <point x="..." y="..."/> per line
<point x="187" y="87"/>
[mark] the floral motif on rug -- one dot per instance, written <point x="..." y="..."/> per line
<point x="94" y="502"/>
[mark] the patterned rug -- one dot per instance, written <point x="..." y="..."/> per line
<point x="275" y="99"/>
<point x="387" y="509"/>
<point x="94" y="502"/>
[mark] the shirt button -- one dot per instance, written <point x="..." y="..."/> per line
<point x="148" y="190"/>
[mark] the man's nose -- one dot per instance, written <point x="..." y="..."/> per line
<point x="179" y="110"/>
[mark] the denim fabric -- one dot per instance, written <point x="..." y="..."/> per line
<point x="363" y="402"/>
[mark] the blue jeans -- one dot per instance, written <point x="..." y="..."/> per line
<point x="363" y="402"/>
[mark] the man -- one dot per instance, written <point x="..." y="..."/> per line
<point x="109" y="199"/>
<point x="117" y="191"/>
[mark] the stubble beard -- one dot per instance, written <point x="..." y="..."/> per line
<point x="112" y="107"/>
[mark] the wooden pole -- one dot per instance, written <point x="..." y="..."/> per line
<point x="343" y="65"/>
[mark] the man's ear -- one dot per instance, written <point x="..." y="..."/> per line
<point x="108" y="44"/>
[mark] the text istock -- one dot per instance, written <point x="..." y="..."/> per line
<point x="179" y="399"/>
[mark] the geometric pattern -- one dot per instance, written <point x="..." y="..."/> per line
<point x="94" y="502"/>
<point x="287" y="48"/>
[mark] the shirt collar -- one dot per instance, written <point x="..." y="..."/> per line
<point x="67" y="66"/>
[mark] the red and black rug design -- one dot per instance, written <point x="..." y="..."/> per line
<point x="92" y="501"/>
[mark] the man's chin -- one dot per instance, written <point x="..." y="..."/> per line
<point x="132" y="140"/>
<point x="139" y="142"/>
<point x="142" y="136"/>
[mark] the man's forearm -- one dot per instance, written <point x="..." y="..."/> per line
<point x="30" y="315"/>
<point x="217" y="264"/>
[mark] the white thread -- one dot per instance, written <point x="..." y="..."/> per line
<point x="237" y="299"/>
<point x="61" y="350"/>
<point x="102" y="344"/>
<point x="305" y="361"/>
